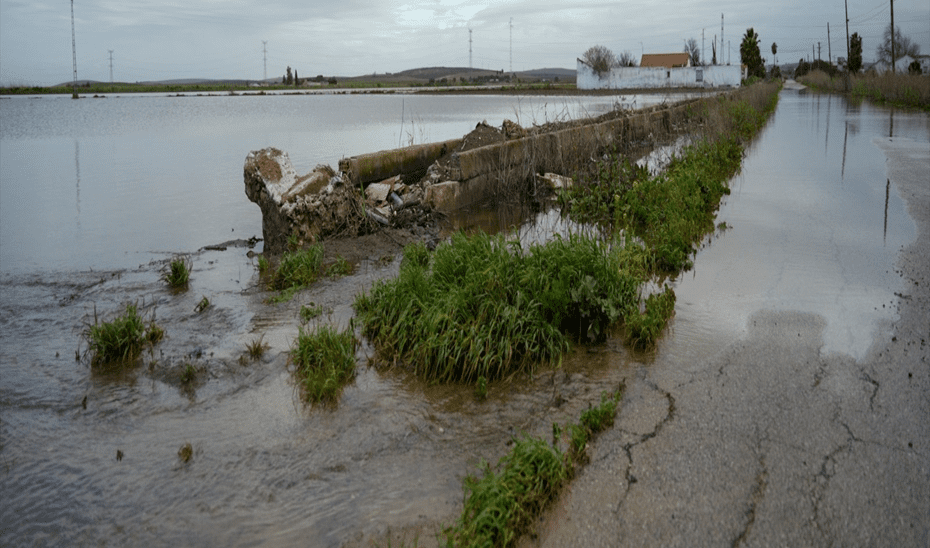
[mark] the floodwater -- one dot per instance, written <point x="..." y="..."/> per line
<point x="268" y="470"/>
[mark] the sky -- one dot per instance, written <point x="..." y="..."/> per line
<point x="238" y="39"/>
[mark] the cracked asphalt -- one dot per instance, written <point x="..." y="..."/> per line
<point x="777" y="437"/>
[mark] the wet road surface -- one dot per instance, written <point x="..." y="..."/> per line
<point x="802" y="416"/>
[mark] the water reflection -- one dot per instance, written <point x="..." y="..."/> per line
<point x="77" y="178"/>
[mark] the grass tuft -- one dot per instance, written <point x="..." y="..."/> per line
<point x="480" y="306"/>
<point x="202" y="305"/>
<point x="120" y="341"/>
<point x="178" y="273"/>
<point x="310" y="312"/>
<point x="325" y="361"/>
<point x="256" y="348"/>
<point x="500" y="506"/>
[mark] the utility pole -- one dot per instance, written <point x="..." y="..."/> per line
<point x="265" y="58"/>
<point x="846" y="3"/>
<point x="829" y="47"/>
<point x="74" y="94"/>
<point x="703" y="59"/>
<point x="511" y="45"/>
<point x="721" y="39"/>
<point x="469" y="49"/>
<point x="111" y="65"/>
<point x="818" y="51"/>
<point x="892" y="36"/>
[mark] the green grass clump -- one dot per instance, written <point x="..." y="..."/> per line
<point x="341" y="267"/>
<point x="178" y="273"/>
<point x="310" y="312"/>
<point x="298" y="268"/>
<point x="501" y="506"/>
<point x="643" y="329"/>
<point x="120" y="341"/>
<point x="325" y="361"/>
<point x="480" y="306"/>
<point x="593" y="421"/>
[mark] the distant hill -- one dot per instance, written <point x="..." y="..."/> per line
<point x="414" y="76"/>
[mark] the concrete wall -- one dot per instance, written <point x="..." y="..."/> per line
<point x="714" y="76"/>
<point x="489" y="170"/>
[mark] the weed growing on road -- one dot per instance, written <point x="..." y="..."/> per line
<point x="500" y="506"/>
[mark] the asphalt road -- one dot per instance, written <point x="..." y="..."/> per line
<point x="772" y="442"/>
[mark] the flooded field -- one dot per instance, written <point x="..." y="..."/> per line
<point x="88" y="458"/>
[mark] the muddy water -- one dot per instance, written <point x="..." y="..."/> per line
<point x="269" y="470"/>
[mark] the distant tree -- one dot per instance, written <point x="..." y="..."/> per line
<point x="713" y="48"/>
<point x="288" y="77"/>
<point x="693" y="51"/>
<point x="296" y="83"/>
<point x="803" y="68"/>
<point x="854" y="64"/>
<point x="774" y="53"/>
<point x="600" y="59"/>
<point x="750" y="55"/>
<point x="627" y="60"/>
<point x="915" y="68"/>
<point x="902" y="46"/>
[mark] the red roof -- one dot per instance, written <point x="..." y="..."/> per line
<point x="667" y="60"/>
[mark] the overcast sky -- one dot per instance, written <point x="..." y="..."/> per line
<point x="169" y="39"/>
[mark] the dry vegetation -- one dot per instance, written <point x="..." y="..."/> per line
<point x="908" y="90"/>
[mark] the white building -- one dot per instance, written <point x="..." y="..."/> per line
<point x="662" y="70"/>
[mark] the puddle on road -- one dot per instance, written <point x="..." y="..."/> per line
<point x="815" y="227"/>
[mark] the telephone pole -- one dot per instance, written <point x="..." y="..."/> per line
<point x="511" y="45"/>
<point x="892" y="36"/>
<point x="111" y="65"/>
<point x="74" y="94"/>
<point x="703" y="59"/>
<point x="829" y="47"/>
<point x="846" y="3"/>
<point x="721" y="40"/>
<point x="265" y="58"/>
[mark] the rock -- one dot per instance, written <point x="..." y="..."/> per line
<point x="443" y="196"/>
<point x="377" y="192"/>
<point x="554" y="181"/>
<point x="512" y="130"/>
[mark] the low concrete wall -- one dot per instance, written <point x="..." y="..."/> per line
<point x="485" y="171"/>
<point x="410" y="163"/>
<point x="713" y="76"/>
<point x="473" y="175"/>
